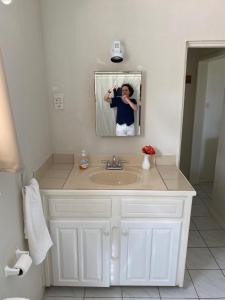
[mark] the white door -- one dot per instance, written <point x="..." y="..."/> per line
<point x="149" y="252"/>
<point x="207" y="120"/>
<point x="81" y="253"/>
<point x="218" y="204"/>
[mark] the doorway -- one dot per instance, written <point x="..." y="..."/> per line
<point x="203" y="106"/>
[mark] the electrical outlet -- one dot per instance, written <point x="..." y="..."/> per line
<point x="58" y="101"/>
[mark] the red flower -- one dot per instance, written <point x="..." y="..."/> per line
<point x="148" y="150"/>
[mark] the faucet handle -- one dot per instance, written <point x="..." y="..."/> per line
<point x="104" y="161"/>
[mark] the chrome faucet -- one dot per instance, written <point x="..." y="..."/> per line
<point x="114" y="164"/>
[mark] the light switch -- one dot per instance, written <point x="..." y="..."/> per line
<point x="58" y="101"/>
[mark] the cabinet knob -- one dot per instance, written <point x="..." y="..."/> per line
<point x="115" y="242"/>
<point x="124" y="232"/>
<point x="106" y="232"/>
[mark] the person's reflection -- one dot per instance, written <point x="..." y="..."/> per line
<point x="125" y="109"/>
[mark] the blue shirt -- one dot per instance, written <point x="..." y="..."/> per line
<point x="125" y="113"/>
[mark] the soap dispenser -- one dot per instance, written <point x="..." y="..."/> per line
<point x="83" y="160"/>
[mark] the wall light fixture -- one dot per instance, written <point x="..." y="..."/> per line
<point x="117" y="52"/>
<point x="6" y="2"/>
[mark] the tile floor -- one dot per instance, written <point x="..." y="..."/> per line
<point x="205" y="265"/>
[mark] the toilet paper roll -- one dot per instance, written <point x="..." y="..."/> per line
<point x="23" y="264"/>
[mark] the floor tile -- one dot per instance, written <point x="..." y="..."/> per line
<point x="219" y="254"/>
<point x="136" y="298"/>
<point x="192" y="226"/>
<point x="207" y="187"/>
<point x="199" y="210"/>
<point x="76" y="292"/>
<point x="208" y="284"/>
<point x="214" y="238"/>
<point x="200" y="193"/>
<point x="197" y="187"/>
<point x="207" y="200"/>
<point x="197" y="201"/>
<point x="200" y="258"/>
<point x="187" y="291"/>
<point x="101" y="298"/>
<point x="195" y="240"/>
<point x="111" y="292"/>
<point x="141" y="292"/>
<point x="205" y="223"/>
<point x="62" y="298"/>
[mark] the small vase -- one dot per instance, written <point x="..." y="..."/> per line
<point x="146" y="162"/>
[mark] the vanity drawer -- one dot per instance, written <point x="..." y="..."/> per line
<point x="145" y="207"/>
<point x="80" y="207"/>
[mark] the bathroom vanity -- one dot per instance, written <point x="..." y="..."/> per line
<point x="117" y="233"/>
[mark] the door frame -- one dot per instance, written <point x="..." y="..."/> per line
<point x="194" y="44"/>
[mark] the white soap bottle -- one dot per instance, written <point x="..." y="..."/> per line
<point x="83" y="160"/>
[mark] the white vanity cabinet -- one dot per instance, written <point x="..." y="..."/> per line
<point x="104" y="238"/>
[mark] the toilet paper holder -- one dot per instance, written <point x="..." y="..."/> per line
<point x="11" y="271"/>
<point x="16" y="271"/>
<point x="20" y="252"/>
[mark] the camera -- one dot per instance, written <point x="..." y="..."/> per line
<point x="117" y="92"/>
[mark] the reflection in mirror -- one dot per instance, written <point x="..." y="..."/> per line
<point x="118" y="103"/>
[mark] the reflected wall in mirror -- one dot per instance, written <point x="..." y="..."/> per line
<point x="118" y="103"/>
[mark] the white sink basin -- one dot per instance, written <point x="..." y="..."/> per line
<point x="114" y="177"/>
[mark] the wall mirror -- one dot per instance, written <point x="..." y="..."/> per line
<point x="118" y="103"/>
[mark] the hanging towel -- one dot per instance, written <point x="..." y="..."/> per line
<point x="35" y="227"/>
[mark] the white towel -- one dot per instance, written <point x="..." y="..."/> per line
<point x="35" y="227"/>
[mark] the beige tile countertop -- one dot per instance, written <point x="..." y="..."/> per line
<point x="62" y="172"/>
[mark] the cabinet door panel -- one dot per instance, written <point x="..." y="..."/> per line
<point x="149" y="252"/>
<point x="91" y="249"/>
<point x="135" y="246"/>
<point x="68" y="253"/>
<point x="164" y="254"/>
<point x="138" y="242"/>
<point x="65" y="255"/>
<point x="81" y="253"/>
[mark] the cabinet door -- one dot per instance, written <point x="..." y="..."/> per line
<point x="81" y="253"/>
<point x="149" y="252"/>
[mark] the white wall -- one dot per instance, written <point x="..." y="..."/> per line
<point x="22" y="51"/>
<point x="78" y="38"/>
<point x="12" y="237"/>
